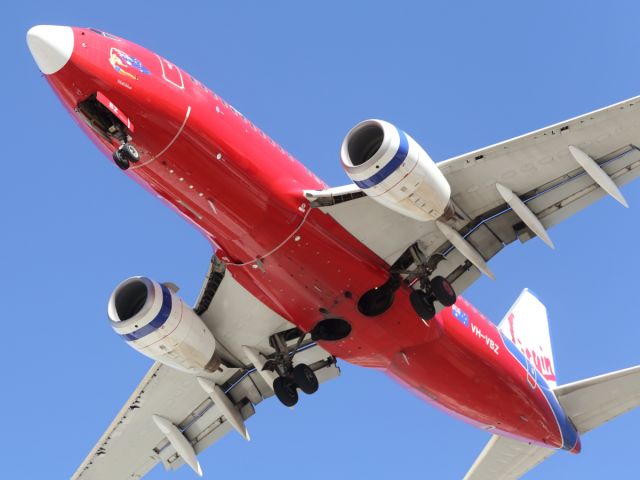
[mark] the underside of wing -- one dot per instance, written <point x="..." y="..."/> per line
<point x="506" y="459"/>
<point x="516" y="189"/>
<point x="135" y="441"/>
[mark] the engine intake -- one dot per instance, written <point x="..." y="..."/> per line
<point x="153" y="320"/>
<point x="390" y="167"/>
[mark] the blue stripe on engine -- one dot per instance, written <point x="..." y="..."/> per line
<point x="568" y="431"/>
<point x="159" y="320"/>
<point x="389" y="168"/>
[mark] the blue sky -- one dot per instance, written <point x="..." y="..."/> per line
<point x="456" y="77"/>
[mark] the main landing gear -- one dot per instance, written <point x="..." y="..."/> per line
<point x="290" y="378"/>
<point x="438" y="288"/>
<point x="125" y="155"/>
<point x="430" y="289"/>
<point x="378" y="300"/>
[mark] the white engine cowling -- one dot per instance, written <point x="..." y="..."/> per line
<point x="390" y="167"/>
<point x="156" y="322"/>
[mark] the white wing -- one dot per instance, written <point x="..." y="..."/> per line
<point x="506" y="459"/>
<point x="594" y="401"/>
<point x="538" y="167"/>
<point x="133" y="444"/>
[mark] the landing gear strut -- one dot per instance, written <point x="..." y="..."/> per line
<point x="430" y="289"/>
<point x="290" y="377"/>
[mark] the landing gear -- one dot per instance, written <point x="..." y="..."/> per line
<point x="430" y="289"/>
<point x="443" y="291"/>
<point x="305" y="379"/>
<point x="285" y="390"/>
<point x="378" y="300"/>
<point x="290" y="378"/>
<point x="126" y="155"/>
<point x="422" y="304"/>
<point x="105" y="123"/>
<point x="438" y="288"/>
<point x="331" y="330"/>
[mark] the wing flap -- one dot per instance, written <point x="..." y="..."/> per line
<point x="506" y="459"/>
<point x="133" y="444"/>
<point x="129" y="447"/>
<point x="538" y="167"/>
<point x="528" y="161"/>
<point x="594" y="401"/>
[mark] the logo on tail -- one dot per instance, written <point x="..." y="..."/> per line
<point x="527" y="326"/>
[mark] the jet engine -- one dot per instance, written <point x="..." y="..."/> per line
<point x="152" y="319"/>
<point x="390" y="167"/>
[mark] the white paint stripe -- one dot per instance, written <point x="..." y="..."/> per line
<point x="162" y="152"/>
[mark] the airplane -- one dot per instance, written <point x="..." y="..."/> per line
<point x="303" y="274"/>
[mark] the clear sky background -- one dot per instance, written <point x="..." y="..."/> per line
<point x="456" y="77"/>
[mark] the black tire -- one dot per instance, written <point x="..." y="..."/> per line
<point x="305" y="378"/>
<point x="121" y="161"/>
<point x="443" y="291"/>
<point x="330" y="330"/>
<point x="376" y="301"/>
<point x="130" y="152"/>
<point x="285" y="390"/>
<point x="422" y="304"/>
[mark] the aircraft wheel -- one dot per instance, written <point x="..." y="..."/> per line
<point x="422" y="304"/>
<point x="120" y="160"/>
<point x="305" y="378"/>
<point x="130" y="152"/>
<point x="376" y="301"/>
<point x="285" y="390"/>
<point x="443" y="291"/>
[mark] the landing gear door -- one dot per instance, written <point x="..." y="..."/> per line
<point x="171" y="73"/>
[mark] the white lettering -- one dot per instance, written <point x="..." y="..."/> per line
<point x="488" y="340"/>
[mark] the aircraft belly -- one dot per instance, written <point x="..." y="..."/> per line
<point x="306" y="280"/>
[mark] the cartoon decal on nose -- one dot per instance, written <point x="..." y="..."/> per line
<point x="123" y="63"/>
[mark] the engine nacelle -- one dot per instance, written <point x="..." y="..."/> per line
<point x="156" y="322"/>
<point x="390" y="167"/>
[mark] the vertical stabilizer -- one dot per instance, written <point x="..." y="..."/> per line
<point x="527" y="326"/>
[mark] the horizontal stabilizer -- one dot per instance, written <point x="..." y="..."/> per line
<point x="589" y="403"/>
<point x="506" y="459"/>
<point x="594" y="401"/>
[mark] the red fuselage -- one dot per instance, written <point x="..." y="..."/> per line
<point x="245" y="193"/>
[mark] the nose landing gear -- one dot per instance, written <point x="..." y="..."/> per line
<point x="125" y="155"/>
<point x="103" y="117"/>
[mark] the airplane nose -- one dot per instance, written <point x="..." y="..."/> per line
<point x="51" y="46"/>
